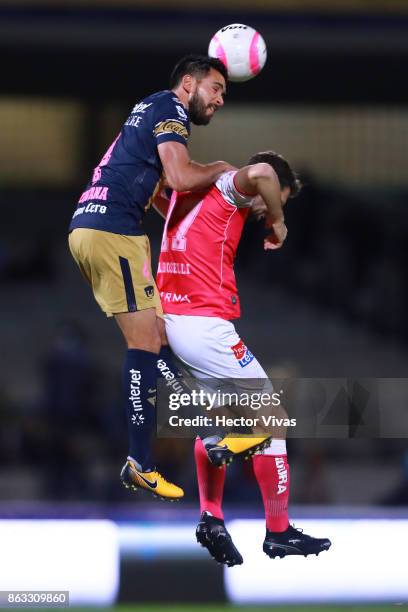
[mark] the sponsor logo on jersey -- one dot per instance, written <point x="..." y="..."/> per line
<point x="133" y="121"/>
<point x="149" y="291"/>
<point x="177" y="298"/>
<point x="242" y="354"/>
<point x="171" y="126"/>
<point x="172" y="267"/>
<point x="140" y="107"/>
<point x="94" y="193"/>
<point x="90" y="208"/>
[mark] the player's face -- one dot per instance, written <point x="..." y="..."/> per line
<point x="258" y="207"/>
<point x="206" y="97"/>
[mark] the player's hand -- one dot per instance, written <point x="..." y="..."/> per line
<point x="277" y="236"/>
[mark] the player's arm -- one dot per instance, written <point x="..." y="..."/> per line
<point x="184" y="174"/>
<point x="261" y="179"/>
<point x="161" y="204"/>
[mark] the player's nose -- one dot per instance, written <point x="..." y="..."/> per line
<point x="219" y="100"/>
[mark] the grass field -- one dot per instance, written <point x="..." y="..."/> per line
<point x="230" y="608"/>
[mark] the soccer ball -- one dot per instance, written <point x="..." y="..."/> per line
<point x="241" y="49"/>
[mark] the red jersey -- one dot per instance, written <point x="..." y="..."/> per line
<point x="196" y="266"/>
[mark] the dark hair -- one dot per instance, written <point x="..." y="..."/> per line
<point x="287" y="177"/>
<point x="196" y="65"/>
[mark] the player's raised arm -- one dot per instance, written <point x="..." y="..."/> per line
<point x="271" y="180"/>
<point x="261" y="179"/>
<point x="184" y="174"/>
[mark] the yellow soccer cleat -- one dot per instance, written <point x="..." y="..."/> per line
<point x="224" y="451"/>
<point x="134" y="479"/>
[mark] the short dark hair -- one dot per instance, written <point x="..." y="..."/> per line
<point x="196" y="65"/>
<point x="287" y="177"/>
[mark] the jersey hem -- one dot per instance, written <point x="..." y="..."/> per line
<point x="202" y="313"/>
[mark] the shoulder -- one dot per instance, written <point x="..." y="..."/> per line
<point x="171" y="120"/>
<point x="231" y="194"/>
<point x="167" y="102"/>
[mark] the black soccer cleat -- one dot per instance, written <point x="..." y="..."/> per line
<point x="293" y="542"/>
<point x="213" y="535"/>
<point x="219" y="455"/>
<point x="223" y="452"/>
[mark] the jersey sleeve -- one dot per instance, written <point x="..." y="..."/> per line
<point x="171" y="122"/>
<point x="226" y="185"/>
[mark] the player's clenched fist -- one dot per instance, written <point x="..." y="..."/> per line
<point x="277" y="237"/>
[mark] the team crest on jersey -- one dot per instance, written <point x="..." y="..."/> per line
<point x="181" y="112"/>
<point x="149" y="291"/>
<point x="171" y="126"/>
<point x="242" y="354"/>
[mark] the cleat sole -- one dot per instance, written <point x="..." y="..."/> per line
<point x="136" y="489"/>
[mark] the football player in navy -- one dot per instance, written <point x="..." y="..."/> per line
<point x="109" y="244"/>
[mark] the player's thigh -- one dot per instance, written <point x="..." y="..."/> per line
<point x="210" y="347"/>
<point x="118" y="268"/>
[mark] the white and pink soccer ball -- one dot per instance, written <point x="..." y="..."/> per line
<point x="241" y="49"/>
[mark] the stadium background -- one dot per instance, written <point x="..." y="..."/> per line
<point x="333" y="99"/>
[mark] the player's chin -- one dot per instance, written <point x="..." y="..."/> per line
<point x="210" y="113"/>
<point x="201" y="120"/>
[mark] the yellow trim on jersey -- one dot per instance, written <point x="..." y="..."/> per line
<point x="171" y="126"/>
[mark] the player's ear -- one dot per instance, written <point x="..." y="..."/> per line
<point x="188" y="82"/>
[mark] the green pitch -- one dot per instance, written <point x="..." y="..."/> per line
<point x="230" y="608"/>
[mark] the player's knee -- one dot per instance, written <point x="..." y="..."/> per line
<point x="140" y="331"/>
<point x="161" y="328"/>
<point x="145" y="342"/>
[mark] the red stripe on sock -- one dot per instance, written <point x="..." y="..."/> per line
<point x="210" y="481"/>
<point x="272" y="474"/>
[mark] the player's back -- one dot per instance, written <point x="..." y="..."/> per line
<point x="129" y="175"/>
<point x="201" y="236"/>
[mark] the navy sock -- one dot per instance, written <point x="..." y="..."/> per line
<point x="139" y="386"/>
<point x="165" y="360"/>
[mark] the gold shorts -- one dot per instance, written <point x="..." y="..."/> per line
<point x="118" y="269"/>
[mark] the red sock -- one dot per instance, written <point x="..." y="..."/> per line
<point x="272" y="474"/>
<point x="210" y="481"/>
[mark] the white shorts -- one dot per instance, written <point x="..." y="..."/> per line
<point x="209" y="347"/>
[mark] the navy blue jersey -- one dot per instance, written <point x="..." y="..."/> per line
<point x="130" y="173"/>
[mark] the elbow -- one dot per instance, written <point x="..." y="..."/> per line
<point x="176" y="182"/>
<point x="178" y="185"/>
